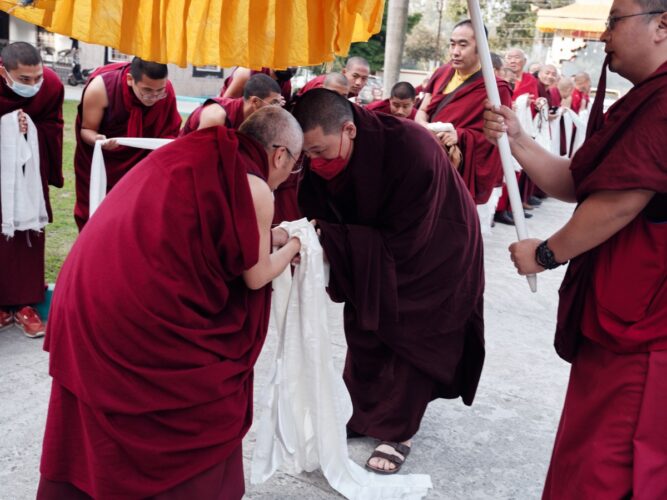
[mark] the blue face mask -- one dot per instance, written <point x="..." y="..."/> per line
<point x="22" y="89"/>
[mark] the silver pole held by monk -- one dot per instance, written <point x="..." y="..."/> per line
<point x="503" y="142"/>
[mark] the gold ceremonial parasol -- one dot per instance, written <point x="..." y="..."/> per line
<point x="249" y="33"/>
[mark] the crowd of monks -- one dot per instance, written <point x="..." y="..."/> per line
<point x="161" y="308"/>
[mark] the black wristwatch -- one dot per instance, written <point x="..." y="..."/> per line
<point x="545" y="257"/>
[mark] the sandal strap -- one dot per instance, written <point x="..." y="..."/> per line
<point x="403" y="449"/>
<point x="395" y="459"/>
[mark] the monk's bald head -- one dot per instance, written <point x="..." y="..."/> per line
<point x="565" y="87"/>
<point x="260" y="85"/>
<point x="515" y="60"/>
<point x="337" y="82"/>
<point x="356" y="71"/>
<point x="273" y="125"/>
<point x="548" y="75"/>
<point x="20" y="53"/>
<point x="323" y="108"/>
<point x="356" y="61"/>
<point x="582" y="82"/>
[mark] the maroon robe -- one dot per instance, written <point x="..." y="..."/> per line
<point x="285" y="87"/>
<point x="613" y="311"/>
<point x="153" y="333"/>
<point x="22" y="257"/>
<point x="315" y="83"/>
<point x="481" y="168"/>
<point x="579" y="100"/>
<point x="406" y="258"/>
<point x="233" y="108"/>
<point x="125" y="116"/>
<point x="384" y="106"/>
<point x="527" y="85"/>
<point x="285" y="203"/>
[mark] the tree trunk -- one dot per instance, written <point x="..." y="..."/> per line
<point x="397" y="22"/>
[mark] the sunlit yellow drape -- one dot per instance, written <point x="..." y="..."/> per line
<point x="582" y="16"/>
<point x="250" y="33"/>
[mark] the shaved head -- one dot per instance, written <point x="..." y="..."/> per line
<point x="260" y="85"/>
<point x="356" y="61"/>
<point x="273" y="125"/>
<point x="337" y="82"/>
<point x="20" y="53"/>
<point x="403" y="90"/>
<point x="322" y="108"/>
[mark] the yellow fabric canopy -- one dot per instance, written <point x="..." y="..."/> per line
<point x="249" y="33"/>
<point x="585" y="16"/>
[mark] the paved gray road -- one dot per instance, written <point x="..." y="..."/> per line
<point x="497" y="449"/>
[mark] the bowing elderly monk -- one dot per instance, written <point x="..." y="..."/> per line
<point x="455" y="94"/>
<point x="406" y="259"/>
<point x="612" y="313"/>
<point x="121" y="100"/>
<point x="26" y="85"/>
<point x="259" y="91"/>
<point x="159" y="314"/>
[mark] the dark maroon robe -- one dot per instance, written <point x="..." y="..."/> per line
<point x="402" y="235"/>
<point x="22" y="257"/>
<point x="579" y="100"/>
<point x="153" y="333"/>
<point x="125" y="116"/>
<point x="315" y="83"/>
<point x="481" y="168"/>
<point x="286" y="205"/>
<point x="285" y="86"/>
<point x="233" y="109"/>
<point x="384" y="106"/>
<point x="611" y="442"/>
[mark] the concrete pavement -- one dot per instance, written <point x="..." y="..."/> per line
<point x="497" y="449"/>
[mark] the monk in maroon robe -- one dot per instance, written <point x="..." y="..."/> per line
<point x="402" y="235"/>
<point x="612" y="315"/>
<point x="580" y="94"/>
<point x="356" y="71"/>
<point x="259" y="91"/>
<point x="234" y="84"/>
<point x="26" y="85"/>
<point x="121" y="100"/>
<point x="401" y="102"/>
<point x="159" y="314"/>
<point x="455" y="94"/>
<point x="524" y="83"/>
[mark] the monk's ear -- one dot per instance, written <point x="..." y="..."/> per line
<point x="661" y="32"/>
<point x="129" y="79"/>
<point x="351" y="129"/>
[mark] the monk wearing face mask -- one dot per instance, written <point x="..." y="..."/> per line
<point x="402" y="236"/>
<point x="36" y="92"/>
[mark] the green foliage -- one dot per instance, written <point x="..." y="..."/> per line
<point x="517" y="28"/>
<point x="60" y="235"/>
<point x="373" y="50"/>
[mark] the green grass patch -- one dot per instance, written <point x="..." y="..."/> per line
<point x="60" y="235"/>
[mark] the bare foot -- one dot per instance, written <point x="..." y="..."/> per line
<point x="383" y="464"/>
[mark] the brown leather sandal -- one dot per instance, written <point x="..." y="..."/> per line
<point x="394" y="459"/>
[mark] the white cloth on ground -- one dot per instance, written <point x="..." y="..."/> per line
<point x="98" y="173"/>
<point x="305" y="408"/>
<point x="488" y="210"/>
<point x="23" y="203"/>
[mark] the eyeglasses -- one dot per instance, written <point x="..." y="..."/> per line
<point x="611" y="20"/>
<point x="298" y="162"/>
<point x="152" y="95"/>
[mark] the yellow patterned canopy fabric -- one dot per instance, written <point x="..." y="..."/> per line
<point x="249" y="33"/>
<point x="586" y="16"/>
